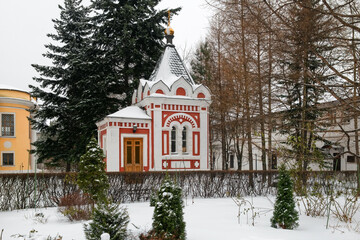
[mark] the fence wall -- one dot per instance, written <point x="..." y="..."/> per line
<point x="19" y="191"/>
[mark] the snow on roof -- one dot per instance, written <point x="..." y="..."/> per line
<point x="196" y="86"/>
<point x="143" y="81"/>
<point x="133" y="112"/>
<point x="8" y="87"/>
<point x="170" y="67"/>
<point x="169" y="81"/>
<point x="167" y="96"/>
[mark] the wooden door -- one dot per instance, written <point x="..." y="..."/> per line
<point x="133" y="154"/>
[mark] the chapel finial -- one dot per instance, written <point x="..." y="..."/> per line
<point x="169" y="32"/>
<point x="168" y="17"/>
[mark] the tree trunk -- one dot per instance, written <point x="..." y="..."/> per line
<point x="247" y="96"/>
<point x="356" y="115"/>
<point x="261" y="107"/>
<point x="269" y="120"/>
<point x="68" y="166"/>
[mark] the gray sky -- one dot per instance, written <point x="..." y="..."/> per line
<point x="25" y="23"/>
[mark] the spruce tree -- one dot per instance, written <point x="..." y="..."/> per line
<point x="108" y="218"/>
<point x="96" y="63"/>
<point x="168" y="219"/>
<point x="62" y="87"/>
<point x="128" y="40"/>
<point x="307" y="33"/>
<point x="92" y="177"/>
<point x="285" y="214"/>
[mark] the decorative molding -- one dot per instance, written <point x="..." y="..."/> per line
<point x="169" y="117"/>
<point x="180" y="164"/>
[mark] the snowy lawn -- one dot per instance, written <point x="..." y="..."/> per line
<point x="206" y="219"/>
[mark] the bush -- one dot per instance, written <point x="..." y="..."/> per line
<point x="345" y="210"/>
<point x="76" y="206"/>
<point x="285" y="214"/>
<point x="315" y="204"/>
<point x="108" y="218"/>
<point x="168" y="213"/>
<point x="154" y="236"/>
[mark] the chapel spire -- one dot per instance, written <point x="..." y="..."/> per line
<point x="169" y="32"/>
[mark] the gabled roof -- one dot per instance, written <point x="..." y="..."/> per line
<point x="170" y="67"/>
<point x="133" y="112"/>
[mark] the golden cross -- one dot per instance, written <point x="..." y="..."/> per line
<point x="168" y="17"/>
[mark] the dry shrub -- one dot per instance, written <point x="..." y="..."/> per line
<point x="76" y="206"/>
<point x="154" y="236"/>
<point x="346" y="211"/>
<point x="315" y="205"/>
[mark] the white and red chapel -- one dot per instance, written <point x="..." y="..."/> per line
<point x="167" y="125"/>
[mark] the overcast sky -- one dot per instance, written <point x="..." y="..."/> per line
<point x="25" y="23"/>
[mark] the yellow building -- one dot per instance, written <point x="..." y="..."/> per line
<point x="16" y="134"/>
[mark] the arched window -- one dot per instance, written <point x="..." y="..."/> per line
<point x="173" y="139"/>
<point x="184" y="149"/>
<point x="180" y="91"/>
<point x="201" y="95"/>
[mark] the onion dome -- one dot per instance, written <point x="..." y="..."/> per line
<point x="169" y="31"/>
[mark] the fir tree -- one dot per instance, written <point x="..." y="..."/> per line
<point x="96" y="62"/>
<point x="285" y="214"/>
<point x="92" y="177"/>
<point x="168" y="213"/>
<point x="108" y="218"/>
<point x="62" y="87"/>
<point x="128" y="42"/>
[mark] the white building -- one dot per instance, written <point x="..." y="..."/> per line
<point x="339" y="151"/>
<point x="167" y="126"/>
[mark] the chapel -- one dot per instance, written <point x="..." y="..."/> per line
<point x="167" y="126"/>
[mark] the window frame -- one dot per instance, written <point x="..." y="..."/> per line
<point x="232" y="161"/>
<point x="2" y="158"/>
<point x="184" y="140"/>
<point x="1" y="132"/>
<point x="173" y="140"/>
<point x="104" y="146"/>
<point x="350" y="159"/>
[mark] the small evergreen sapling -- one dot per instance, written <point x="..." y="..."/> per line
<point x="285" y="214"/>
<point x="92" y="177"/>
<point x="108" y="218"/>
<point x="168" y="213"/>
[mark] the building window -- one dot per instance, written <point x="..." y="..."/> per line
<point x="184" y="149"/>
<point x="104" y="145"/>
<point x="232" y="161"/>
<point x="336" y="162"/>
<point x="173" y="140"/>
<point x="350" y="159"/>
<point x="7" y="124"/>
<point x="273" y="161"/>
<point x="7" y="159"/>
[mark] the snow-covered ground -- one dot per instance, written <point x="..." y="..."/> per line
<point x="206" y="219"/>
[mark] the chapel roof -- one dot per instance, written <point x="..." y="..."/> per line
<point x="133" y="112"/>
<point x="170" y="67"/>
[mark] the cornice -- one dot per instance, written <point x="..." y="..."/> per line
<point x="19" y="101"/>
